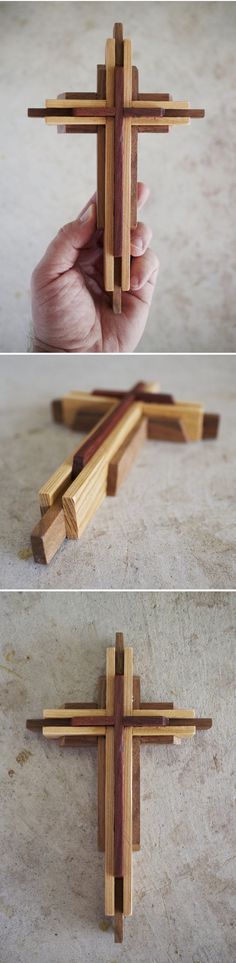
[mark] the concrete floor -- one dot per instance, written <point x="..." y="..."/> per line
<point x="172" y="524"/>
<point x="52" y="910"/>
<point x="186" y="48"/>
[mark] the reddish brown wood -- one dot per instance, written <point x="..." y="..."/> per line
<point x="150" y="96"/>
<point x="167" y="429"/>
<point x="118" y="37"/>
<point x="81" y="129"/>
<point x="119" y="656"/>
<point x="144" y="111"/>
<point x="88" y="721"/>
<point x="56" y="409"/>
<point x="164" y="721"/>
<point x="145" y="129"/>
<point x="155" y="398"/>
<point x="118" y="167"/>
<point x="88" y="449"/>
<point x="101" y="142"/>
<point x="49" y="533"/>
<point x="210" y="426"/>
<point x="118" y="767"/>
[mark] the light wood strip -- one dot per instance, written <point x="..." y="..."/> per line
<point x="128" y="827"/>
<point x="148" y="121"/>
<point x="98" y="465"/>
<point x="162" y="731"/>
<point x="59" y="480"/>
<point x="76" y="102"/>
<point x="71" y="712"/>
<point x="54" y="732"/>
<point x="169" y="105"/>
<point x="109" y="789"/>
<point x="109" y="172"/>
<point x="167" y="713"/>
<point x="79" y="121"/>
<point x="125" y="264"/>
<point x="190" y="415"/>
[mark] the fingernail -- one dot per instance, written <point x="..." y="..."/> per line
<point x="138" y="244"/>
<point x="135" y="282"/>
<point x="86" y="214"/>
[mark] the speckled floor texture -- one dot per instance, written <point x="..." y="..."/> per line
<point x="52" y="888"/>
<point x="172" y="523"/>
<point x="185" y="48"/>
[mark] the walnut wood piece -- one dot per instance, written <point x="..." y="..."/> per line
<point x="210" y="425"/>
<point x="101" y="87"/>
<point x="90" y="446"/>
<point x="119" y="654"/>
<point x="49" y="534"/>
<point x="153" y="397"/>
<point x="109" y="789"/>
<point x="118" y="752"/>
<point x="136" y="774"/>
<point x="125" y="267"/>
<point x="101" y="771"/>
<point x="122" y="462"/>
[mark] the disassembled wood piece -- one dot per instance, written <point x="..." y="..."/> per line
<point x="118" y="423"/>
<point x="117" y="728"/>
<point x="116" y="112"/>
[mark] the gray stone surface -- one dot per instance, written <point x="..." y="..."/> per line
<point x="52" y="908"/>
<point x="186" y="48"/>
<point x="172" y="524"/>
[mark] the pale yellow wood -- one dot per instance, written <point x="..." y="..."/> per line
<point x="97" y="468"/>
<point x="127" y="143"/>
<point x="109" y="789"/>
<point x="152" y="386"/>
<point x="179" y="731"/>
<point x="77" y="121"/>
<point x="76" y="103"/>
<point x="59" y="480"/>
<point x="128" y="830"/>
<point x="151" y="121"/>
<point x="166" y="713"/>
<point x="78" y="401"/>
<point x="109" y="171"/>
<point x="191" y="416"/>
<point x="167" y="104"/>
<point x="53" y="732"/>
<point x="72" y="712"/>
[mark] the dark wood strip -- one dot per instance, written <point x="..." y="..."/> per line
<point x="119" y="151"/>
<point x="145" y="129"/>
<point x="166" y="722"/>
<point x="136" y="774"/>
<point x="151" y="96"/>
<point x="119" y="656"/>
<point x="85" y="95"/>
<point x="167" y="429"/>
<point x="88" y="449"/>
<point x="210" y="426"/>
<point x="88" y="721"/>
<point x="145" y="111"/>
<point x="119" y="777"/>
<point x="81" y="129"/>
<point x="157" y="398"/>
<point x="49" y="533"/>
<point x="118" y="37"/>
<point x="71" y="112"/>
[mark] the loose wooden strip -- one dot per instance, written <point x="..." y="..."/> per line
<point x="121" y="463"/>
<point x="128" y="702"/>
<point x="125" y="270"/>
<point x="210" y="426"/>
<point x="49" y="534"/>
<point x="97" y="467"/>
<point x="119" y="916"/>
<point x="191" y="416"/>
<point x="101" y="86"/>
<point x="109" y="172"/>
<point x="101" y="764"/>
<point x="136" y="774"/>
<point x="118" y="37"/>
<point x="118" y="754"/>
<point x="134" y="155"/>
<point x="109" y="790"/>
<point x="166" y="429"/>
<point x="163" y="112"/>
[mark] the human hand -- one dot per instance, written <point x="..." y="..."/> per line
<point x="70" y="309"/>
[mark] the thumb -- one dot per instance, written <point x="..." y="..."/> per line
<point x="63" y="251"/>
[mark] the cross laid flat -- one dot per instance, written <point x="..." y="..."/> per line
<point x="113" y="731"/>
<point x="118" y="424"/>
<point x="116" y="112"/>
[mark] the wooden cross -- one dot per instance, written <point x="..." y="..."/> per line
<point x="118" y="423"/>
<point x="116" y="112"/>
<point x="118" y="727"/>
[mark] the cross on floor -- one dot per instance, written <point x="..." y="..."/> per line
<point x="117" y="729"/>
<point x="116" y="112"/>
<point x="118" y="423"/>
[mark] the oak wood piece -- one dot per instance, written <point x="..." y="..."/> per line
<point x="49" y="534"/>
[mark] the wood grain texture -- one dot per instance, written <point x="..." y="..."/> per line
<point x="92" y="444"/>
<point x="101" y="88"/>
<point x="166" y="429"/>
<point x="190" y="415"/>
<point x="121" y="463"/>
<point x="119" y="656"/>
<point x="134" y="155"/>
<point x="49" y="534"/>
<point x="119" y="787"/>
<point x="136" y="774"/>
<point x="128" y="826"/>
<point x="109" y="790"/>
<point x="127" y="138"/>
<point x="101" y="772"/>
<point x="118" y="171"/>
<point x="109" y="172"/>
